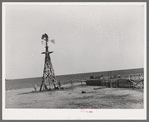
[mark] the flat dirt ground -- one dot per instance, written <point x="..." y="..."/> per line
<point x="96" y="97"/>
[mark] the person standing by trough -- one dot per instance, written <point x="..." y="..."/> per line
<point x="59" y="83"/>
<point x="35" y="87"/>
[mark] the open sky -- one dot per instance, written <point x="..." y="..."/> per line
<point x="88" y="38"/>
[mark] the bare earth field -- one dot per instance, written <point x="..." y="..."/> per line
<point x="96" y="97"/>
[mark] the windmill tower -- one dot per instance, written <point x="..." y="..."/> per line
<point x="48" y="80"/>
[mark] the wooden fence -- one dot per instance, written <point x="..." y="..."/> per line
<point x="124" y="81"/>
<point x="119" y="81"/>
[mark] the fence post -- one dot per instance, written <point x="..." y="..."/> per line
<point x="103" y="81"/>
<point x="114" y="83"/>
<point x="110" y="83"/>
<point x="117" y="83"/>
<point x="123" y="82"/>
<point x="71" y="85"/>
<point x="142" y="83"/>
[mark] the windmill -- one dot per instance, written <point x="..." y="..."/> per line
<point x="49" y="80"/>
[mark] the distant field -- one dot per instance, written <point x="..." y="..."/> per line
<point x="29" y="82"/>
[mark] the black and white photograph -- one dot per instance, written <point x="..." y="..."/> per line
<point x="74" y="60"/>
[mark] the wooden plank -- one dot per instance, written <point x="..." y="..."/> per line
<point x="133" y="83"/>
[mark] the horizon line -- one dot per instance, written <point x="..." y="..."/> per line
<point x="76" y="73"/>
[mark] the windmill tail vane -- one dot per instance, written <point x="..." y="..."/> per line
<point x="53" y="41"/>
